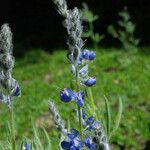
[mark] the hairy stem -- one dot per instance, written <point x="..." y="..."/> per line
<point x="79" y="108"/>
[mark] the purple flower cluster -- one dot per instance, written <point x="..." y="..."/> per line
<point x="74" y="141"/>
<point x="83" y="61"/>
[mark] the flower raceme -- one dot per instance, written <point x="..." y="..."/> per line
<point x="74" y="141"/>
<point x="79" y="60"/>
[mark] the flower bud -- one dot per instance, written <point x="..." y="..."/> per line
<point x="90" y="81"/>
<point x="88" y="55"/>
<point x="66" y="95"/>
<point x="92" y="55"/>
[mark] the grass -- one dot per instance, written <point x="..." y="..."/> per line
<point x="119" y="74"/>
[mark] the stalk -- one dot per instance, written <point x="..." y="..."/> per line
<point x="79" y="108"/>
<point x="90" y="96"/>
<point x="12" y="128"/>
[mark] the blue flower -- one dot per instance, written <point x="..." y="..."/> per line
<point x="89" y="143"/>
<point x="91" y="125"/>
<point x="66" y="95"/>
<point x="85" y="54"/>
<point x="74" y="142"/>
<point x="79" y="97"/>
<point x="88" y="55"/>
<point x="27" y="147"/>
<point x="90" y="120"/>
<point x="90" y="81"/>
<point x="92" y="55"/>
<point x="65" y="145"/>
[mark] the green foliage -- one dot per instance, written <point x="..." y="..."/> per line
<point x="116" y="76"/>
<point x="126" y="32"/>
<point x="35" y="144"/>
<point x="89" y="17"/>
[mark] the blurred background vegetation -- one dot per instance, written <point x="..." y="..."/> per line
<point x="42" y="68"/>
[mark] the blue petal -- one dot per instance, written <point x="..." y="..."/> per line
<point x="65" y="145"/>
<point x="90" y="120"/>
<point x="90" y="81"/>
<point x="86" y="141"/>
<point x="80" y="102"/>
<point x="77" y="143"/>
<point x="27" y="147"/>
<point x="75" y="132"/>
<point x="73" y="148"/>
<point x="85" y="54"/>
<point x="92" y="146"/>
<point x="92" y="55"/>
<point x="66" y="95"/>
<point x="79" y="97"/>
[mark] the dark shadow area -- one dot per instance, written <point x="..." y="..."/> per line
<point x="147" y="147"/>
<point x="36" y="23"/>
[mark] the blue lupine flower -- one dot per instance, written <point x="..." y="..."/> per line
<point x="89" y="143"/>
<point x="85" y="54"/>
<point x="90" y="81"/>
<point x="74" y="142"/>
<point x="88" y="55"/>
<point x="91" y="125"/>
<point x="73" y="134"/>
<point x="27" y="147"/>
<point x="92" y="55"/>
<point x="90" y="120"/>
<point x="66" y="95"/>
<point x="79" y="97"/>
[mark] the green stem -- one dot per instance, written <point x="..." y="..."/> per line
<point x="12" y="128"/>
<point x="79" y="108"/>
<point x="90" y="96"/>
